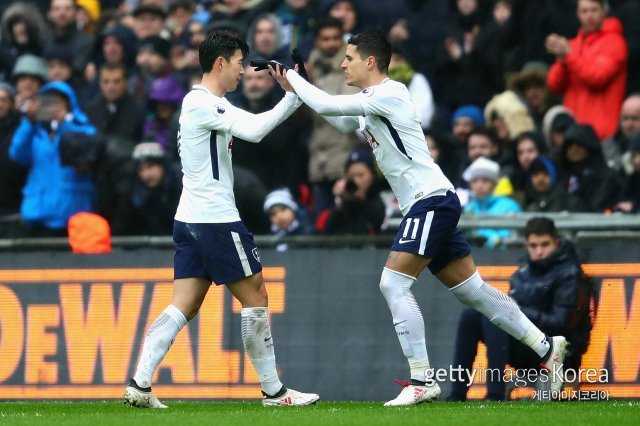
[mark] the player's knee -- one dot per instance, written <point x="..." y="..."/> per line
<point x="392" y="284"/>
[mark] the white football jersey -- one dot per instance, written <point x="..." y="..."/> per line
<point x="392" y="128"/>
<point x="205" y="144"/>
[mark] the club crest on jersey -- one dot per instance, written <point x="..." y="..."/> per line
<point x="368" y="91"/>
<point x="255" y="253"/>
<point x="218" y="110"/>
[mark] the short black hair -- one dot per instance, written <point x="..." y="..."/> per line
<point x="486" y="132"/>
<point x="541" y="226"/>
<point x="327" y="22"/>
<point x="220" y="43"/>
<point x="116" y="66"/>
<point x="373" y="43"/>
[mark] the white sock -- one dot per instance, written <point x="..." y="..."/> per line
<point x="407" y="320"/>
<point x="157" y="342"/>
<point x="502" y="311"/>
<point x="256" y="336"/>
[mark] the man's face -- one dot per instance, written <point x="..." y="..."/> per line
<point x="542" y="246"/>
<point x="630" y="117"/>
<point x="113" y="84"/>
<point x="355" y="68"/>
<point x="591" y="15"/>
<point x="329" y="41"/>
<point x="148" y="24"/>
<point x="27" y="86"/>
<point x="541" y="182"/>
<point x="576" y="153"/>
<point x="58" y="71"/>
<point x="527" y="151"/>
<point x="232" y="70"/>
<point x="462" y="127"/>
<point x="480" y="146"/>
<point x="112" y="50"/>
<point x="534" y="97"/>
<point x="256" y="84"/>
<point x="264" y="38"/>
<point x="6" y="103"/>
<point x="151" y="62"/>
<point x="62" y="13"/>
<point x="481" y="187"/>
<point x="344" y="11"/>
<point x="151" y="174"/>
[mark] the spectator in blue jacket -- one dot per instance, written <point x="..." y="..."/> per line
<point x="53" y="192"/>
<point x="482" y="176"/>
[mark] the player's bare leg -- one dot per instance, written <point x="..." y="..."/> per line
<point x="258" y="342"/>
<point x="188" y="295"/>
<point x="464" y="281"/>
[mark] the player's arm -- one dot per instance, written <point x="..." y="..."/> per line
<point x="254" y="127"/>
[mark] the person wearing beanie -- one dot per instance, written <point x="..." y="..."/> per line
<point x="153" y="63"/>
<point x="285" y="216"/>
<point x="465" y="120"/>
<point x="482" y="176"/>
<point x="543" y="192"/>
<point x="149" y="21"/>
<point x="584" y="172"/>
<point x="28" y="76"/>
<point x="155" y="191"/>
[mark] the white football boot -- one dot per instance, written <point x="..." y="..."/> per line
<point x="290" y="398"/>
<point x="141" y="399"/>
<point x="413" y="394"/>
<point x="554" y="365"/>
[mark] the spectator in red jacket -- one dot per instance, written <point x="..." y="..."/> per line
<point x="591" y="69"/>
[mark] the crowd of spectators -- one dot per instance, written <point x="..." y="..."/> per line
<point x="526" y="105"/>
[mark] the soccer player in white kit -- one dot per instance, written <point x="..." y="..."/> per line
<point x="212" y="243"/>
<point x="428" y="235"/>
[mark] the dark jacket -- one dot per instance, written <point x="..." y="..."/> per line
<point x="592" y="181"/>
<point x="555" y="296"/>
<point x="555" y="200"/>
<point x="357" y="217"/>
<point x="126" y="120"/>
<point x="12" y="176"/>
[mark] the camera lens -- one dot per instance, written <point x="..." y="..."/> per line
<point x="351" y="186"/>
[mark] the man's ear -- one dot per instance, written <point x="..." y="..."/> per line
<point x="371" y="62"/>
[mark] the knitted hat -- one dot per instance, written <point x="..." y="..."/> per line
<point x="149" y="151"/>
<point x="31" y="65"/>
<point x="360" y="157"/>
<point x="482" y="167"/>
<point x="469" y="111"/>
<point x="280" y="197"/>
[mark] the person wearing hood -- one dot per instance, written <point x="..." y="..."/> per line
<point x="551" y="291"/>
<point x="530" y="84"/>
<point x="22" y="30"/>
<point x="584" y="171"/>
<point x="544" y="193"/>
<point x="165" y="99"/>
<point x="554" y="127"/>
<point x="53" y="192"/>
<point x="347" y="12"/>
<point x="591" y="69"/>
<point x="266" y="40"/>
<point x="285" y="216"/>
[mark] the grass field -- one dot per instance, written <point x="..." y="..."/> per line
<point x="325" y="413"/>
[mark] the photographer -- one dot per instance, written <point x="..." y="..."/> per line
<point x="53" y="192"/>
<point x="358" y="206"/>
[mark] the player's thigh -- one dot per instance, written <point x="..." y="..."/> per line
<point x="250" y="291"/>
<point x="457" y="271"/>
<point x="406" y="263"/>
<point x="188" y="295"/>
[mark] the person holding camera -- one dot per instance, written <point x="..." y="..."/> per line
<point x="53" y="192"/>
<point x="358" y="207"/>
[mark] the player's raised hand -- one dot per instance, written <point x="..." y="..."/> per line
<point x="280" y="74"/>
<point x="299" y="61"/>
<point x="263" y="64"/>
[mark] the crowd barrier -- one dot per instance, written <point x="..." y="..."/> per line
<point x="71" y="326"/>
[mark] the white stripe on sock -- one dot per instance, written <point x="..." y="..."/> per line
<point x="241" y="254"/>
<point x="425" y="232"/>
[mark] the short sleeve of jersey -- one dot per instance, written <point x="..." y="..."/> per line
<point x="209" y="112"/>
<point x="379" y="100"/>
